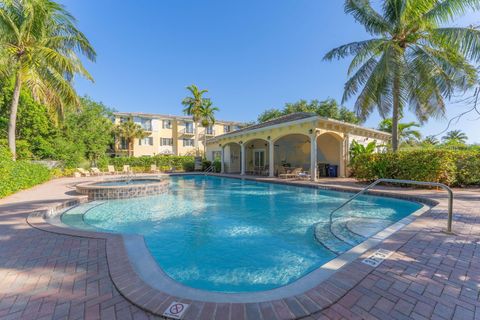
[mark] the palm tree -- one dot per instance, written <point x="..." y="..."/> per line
<point x="412" y="60"/>
<point x="357" y="149"/>
<point x="207" y="119"/>
<point x="406" y="131"/>
<point x="455" y="137"/>
<point x="430" y="140"/>
<point x="193" y="107"/>
<point x="130" y="131"/>
<point x="40" y="41"/>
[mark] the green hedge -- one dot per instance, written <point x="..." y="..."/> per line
<point x="454" y="168"/>
<point x="162" y="161"/>
<point x="18" y="175"/>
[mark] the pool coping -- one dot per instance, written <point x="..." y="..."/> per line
<point x="136" y="275"/>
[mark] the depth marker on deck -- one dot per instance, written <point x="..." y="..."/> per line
<point x="377" y="257"/>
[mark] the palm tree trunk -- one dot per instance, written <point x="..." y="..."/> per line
<point x="12" y="124"/>
<point x="195" y="142"/>
<point x="396" y="112"/>
<point x="205" y="144"/>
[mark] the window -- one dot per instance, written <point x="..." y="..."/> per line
<point x="123" y="144"/>
<point x="167" y="124"/>
<point x="188" y="127"/>
<point x="217" y="155"/>
<point x="259" y="158"/>
<point x="226" y="128"/>
<point x="146" y="124"/>
<point x="209" y="130"/>
<point x="236" y="128"/>
<point x="166" y="141"/>
<point x="145" y="141"/>
<point x="188" y="142"/>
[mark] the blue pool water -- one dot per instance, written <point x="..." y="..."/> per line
<point x="230" y="235"/>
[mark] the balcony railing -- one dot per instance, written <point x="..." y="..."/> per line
<point x="186" y="132"/>
<point x="209" y="133"/>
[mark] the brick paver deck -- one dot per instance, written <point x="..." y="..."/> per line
<point x="431" y="275"/>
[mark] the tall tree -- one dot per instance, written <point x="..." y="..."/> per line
<point x="39" y="41"/>
<point x="193" y="107"/>
<point x="327" y="108"/>
<point x="207" y="119"/>
<point x="406" y="131"/>
<point x="130" y="131"/>
<point x="412" y="60"/>
<point x="92" y="127"/>
<point x="455" y="137"/>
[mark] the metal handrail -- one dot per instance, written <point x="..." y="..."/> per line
<point x="420" y="183"/>
<point x="209" y="169"/>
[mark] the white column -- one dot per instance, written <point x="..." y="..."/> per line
<point x="313" y="156"/>
<point x="242" y="164"/>
<point x="222" y="159"/>
<point x="346" y="155"/>
<point x="342" y="161"/>
<point x="271" y="161"/>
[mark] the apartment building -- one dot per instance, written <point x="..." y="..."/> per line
<point x="169" y="134"/>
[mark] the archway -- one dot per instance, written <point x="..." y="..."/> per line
<point x="329" y="152"/>
<point x="292" y="151"/>
<point x="231" y="157"/>
<point x="256" y="157"/>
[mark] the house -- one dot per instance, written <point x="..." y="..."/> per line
<point x="168" y="134"/>
<point x="299" y="140"/>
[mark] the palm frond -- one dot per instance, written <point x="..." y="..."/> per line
<point x="447" y="10"/>
<point x="363" y="12"/>
<point x="467" y="40"/>
<point x="354" y="48"/>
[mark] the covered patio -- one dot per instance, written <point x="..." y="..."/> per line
<point x="300" y="142"/>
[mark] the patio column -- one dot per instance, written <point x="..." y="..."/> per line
<point x="313" y="156"/>
<point x="222" y="159"/>
<point x="242" y="157"/>
<point x="271" y="161"/>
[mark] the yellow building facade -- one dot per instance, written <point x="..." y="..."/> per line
<point x="169" y="134"/>
<point x="301" y="140"/>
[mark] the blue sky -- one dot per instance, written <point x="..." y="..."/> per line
<point x="251" y="55"/>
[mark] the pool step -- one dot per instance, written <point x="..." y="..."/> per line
<point x="347" y="232"/>
<point x="340" y="228"/>
<point x="327" y="239"/>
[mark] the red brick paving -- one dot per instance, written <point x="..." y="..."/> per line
<point x="432" y="275"/>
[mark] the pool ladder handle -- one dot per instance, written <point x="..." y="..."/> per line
<point x="209" y="169"/>
<point x="420" y="183"/>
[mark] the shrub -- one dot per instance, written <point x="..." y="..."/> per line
<point x="206" y="164"/>
<point x="218" y="165"/>
<point x="62" y="172"/>
<point x="162" y="161"/>
<point x="468" y="168"/>
<point x="18" y="175"/>
<point x="22" y="149"/>
<point x="452" y="167"/>
<point x="189" y="166"/>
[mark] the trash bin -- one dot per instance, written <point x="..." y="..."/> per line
<point x="322" y="169"/>
<point x="332" y="171"/>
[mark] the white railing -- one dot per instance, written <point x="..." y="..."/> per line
<point x="420" y="183"/>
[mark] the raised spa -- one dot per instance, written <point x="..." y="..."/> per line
<point x="231" y="235"/>
<point x="123" y="188"/>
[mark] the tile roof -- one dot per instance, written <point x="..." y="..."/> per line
<point x="283" y="119"/>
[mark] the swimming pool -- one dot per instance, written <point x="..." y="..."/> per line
<point x="231" y="235"/>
